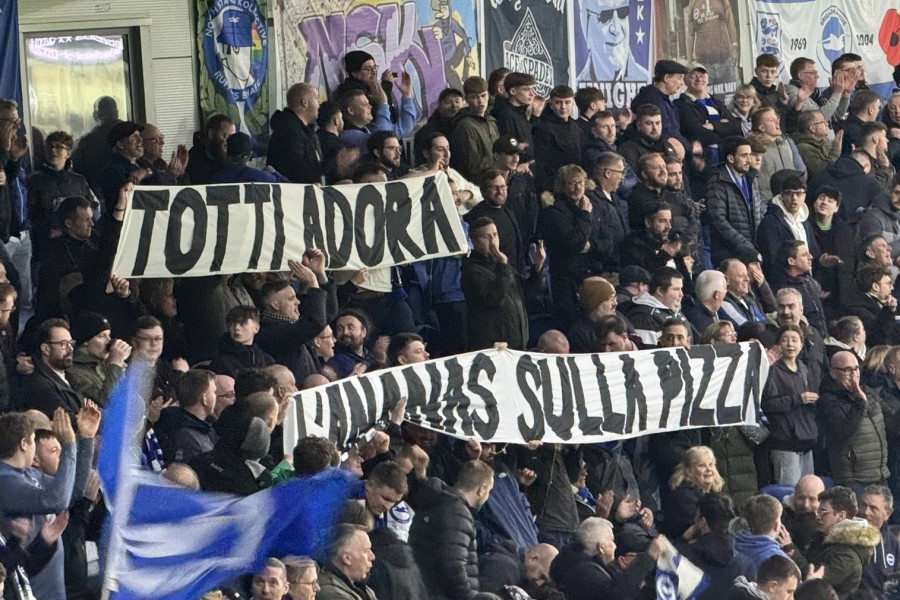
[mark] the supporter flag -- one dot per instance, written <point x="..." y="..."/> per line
<point x="677" y="578"/>
<point x="167" y="542"/>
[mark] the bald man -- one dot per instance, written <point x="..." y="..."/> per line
<point x="294" y="146"/>
<point x="553" y="342"/>
<point x="537" y="567"/>
<point x="285" y="388"/>
<point x="162" y="173"/>
<point x="799" y="514"/>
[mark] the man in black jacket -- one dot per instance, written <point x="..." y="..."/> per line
<point x="874" y="304"/>
<point x="648" y="126"/>
<point x="651" y="168"/>
<point x="495" y="190"/>
<point x="46" y="389"/>
<point x="283" y="332"/>
<point x="557" y="138"/>
<point x="798" y="261"/>
<point x="609" y="213"/>
<point x="652" y="247"/>
<point x="850" y="176"/>
<point x="730" y="205"/>
<point x="294" y="147"/>
<point x="442" y="534"/>
<point x="186" y="431"/>
<point x="514" y="112"/>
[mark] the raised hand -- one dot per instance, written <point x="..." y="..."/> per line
<point x="62" y="427"/>
<point x="398" y="413"/>
<point x="53" y="529"/>
<point x="88" y="419"/>
<point x="303" y="273"/>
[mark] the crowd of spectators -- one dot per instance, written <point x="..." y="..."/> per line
<point x="681" y="221"/>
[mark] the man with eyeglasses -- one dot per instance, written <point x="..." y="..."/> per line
<point x="48" y="388"/>
<point x="495" y="206"/>
<point x="854" y="426"/>
<point x="171" y="173"/>
<point x="812" y="142"/>
<point x="607" y="32"/>
<point x="803" y="93"/>
<point x="384" y="148"/>
<point x="844" y="543"/>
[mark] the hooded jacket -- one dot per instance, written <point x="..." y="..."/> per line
<point x="844" y="551"/>
<point x="792" y="424"/>
<point x="583" y="577"/>
<point x="757" y="548"/>
<point x="294" y="148"/>
<point x="46" y="190"/>
<point x="232" y="466"/>
<point x="513" y="122"/>
<point x="182" y="435"/>
<point x="857" y="189"/>
<point x="496" y="312"/>
<point x="566" y="229"/>
<point x="878" y="319"/>
<point x="884" y="563"/>
<point x="648" y="314"/>
<point x="780" y="154"/>
<point x="234" y="358"/>
<point x="778" y="227"/>
<point x="746" y="590"/>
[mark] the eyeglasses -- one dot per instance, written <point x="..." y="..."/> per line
<point x="605" y="16"/>
<point x="575" y="184"/>
<point x="371" y="69"/>
<point x="313" y="582"/>
<point x="229" y="395"/>
<point x="847" y="370"/>
<point x="70" y="344"/>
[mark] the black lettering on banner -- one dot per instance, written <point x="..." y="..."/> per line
<point x="339" y="253"/>
<point x="634" y="395"/>
<point x="435" y="379"/>
<point x="587" y="424"/>
<point x="560" y="424"/>
<point x="151" y="202"/>
<point x="751" y="383"/>
<point x="725" y="414"/>
<point x="482" y="363"/>
<point x="257" y="195"/>
<point x="694" y="394"/>
<point x="398" y="212"/>
<point x="670" y="384"/>
<point x="178" y="262"/>
<point x="433" y="214"/>
<point x="369" y="254"/>
<point x="340" y="427"/>
<point x="612" y="422"/>
<point x="319" y="409"/>
<point x="390" y="391"/>
<point x="357" y="405"/>
<point x="312" y="223"/>
<point x="526" y="369"/>
<point x="454" y="398"/>
<point x="369" y="400"/>
<point x="278" y="248"/>
<point x="221" y="196"/>
<point x="416" y="396"/>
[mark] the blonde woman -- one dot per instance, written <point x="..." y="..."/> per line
<point x="743" y="103"/>
<point x="720" y="332"/>
<point x="694" y="476"/>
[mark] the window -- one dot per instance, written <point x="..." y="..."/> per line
<point x="68" y="71"/>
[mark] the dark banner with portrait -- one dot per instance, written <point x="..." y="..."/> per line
<point x="704" y="32"/>
<point x="518" y="36"/>
<point x="233" y="46"/>
<point x="612" y="47"/>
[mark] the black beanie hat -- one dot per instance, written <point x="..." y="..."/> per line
<point x="355" y="59"/>
<point x="87" y="325"/>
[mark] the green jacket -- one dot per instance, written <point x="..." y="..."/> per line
<point x="816" y="154"/>
<point x="92" y="378"/>
<point x="843" y="551"/>
<point x="335" y="586"/>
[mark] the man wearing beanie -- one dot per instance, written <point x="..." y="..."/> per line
<point x="98" y="361"/>
<point x="362" y="74"/>
<point x="598" y="299"/>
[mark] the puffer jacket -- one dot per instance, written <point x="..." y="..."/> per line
<point x="395" y="573"/>
<point x="792" y="424"/>
<point x="648" y="314"/>
<point x="472" y="141"/>
<point x="294" y="148"/>
<point x="855" y="435"/>
<point x="556" y="143"/>
<point x="442" y="537"/>
<point x="843" y="551"/>
<point x="731" y="221"/>
<point x="857" y="189"/>
<point x="780" y="154"/>
<point x="566" y="230"/>
<point x="46" y="190"/>
<point x="881" y="218"/>
<point x="734" y="460"/>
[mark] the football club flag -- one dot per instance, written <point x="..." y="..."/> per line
<point x="677" y="578"/>
<point x="168" y="542"/>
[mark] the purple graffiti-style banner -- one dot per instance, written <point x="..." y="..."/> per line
<point x="390" y="33"/>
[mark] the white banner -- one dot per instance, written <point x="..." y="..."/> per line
<point x="515" y="397"/>
<point x="238" y="228"/>
<point x="824" y="29"/>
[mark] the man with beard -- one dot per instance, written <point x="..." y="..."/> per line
<point x="798" y="262"/>
<point x="649" y="128"/>
<point x="651" y="168"/>
<point x="207" y="156"/>
<point x="99" y="360"/>
<point x="47" y="388"/>
<point x="385" y="149"/>
<point x="799" y="515"/>
<point x="521" y="193"/>
<point x="685" y="213"/>
<point x="350" y="354"/>
<point x="662" y="300"/>
<point x="652" y="247"/>
<point x="874" y="304"/>
<point x="450" y="102"/>
<point x="495" y="206"/>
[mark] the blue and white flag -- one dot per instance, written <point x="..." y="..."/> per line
<point x="171" y="543"/>
<point x="677" y="578"/>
